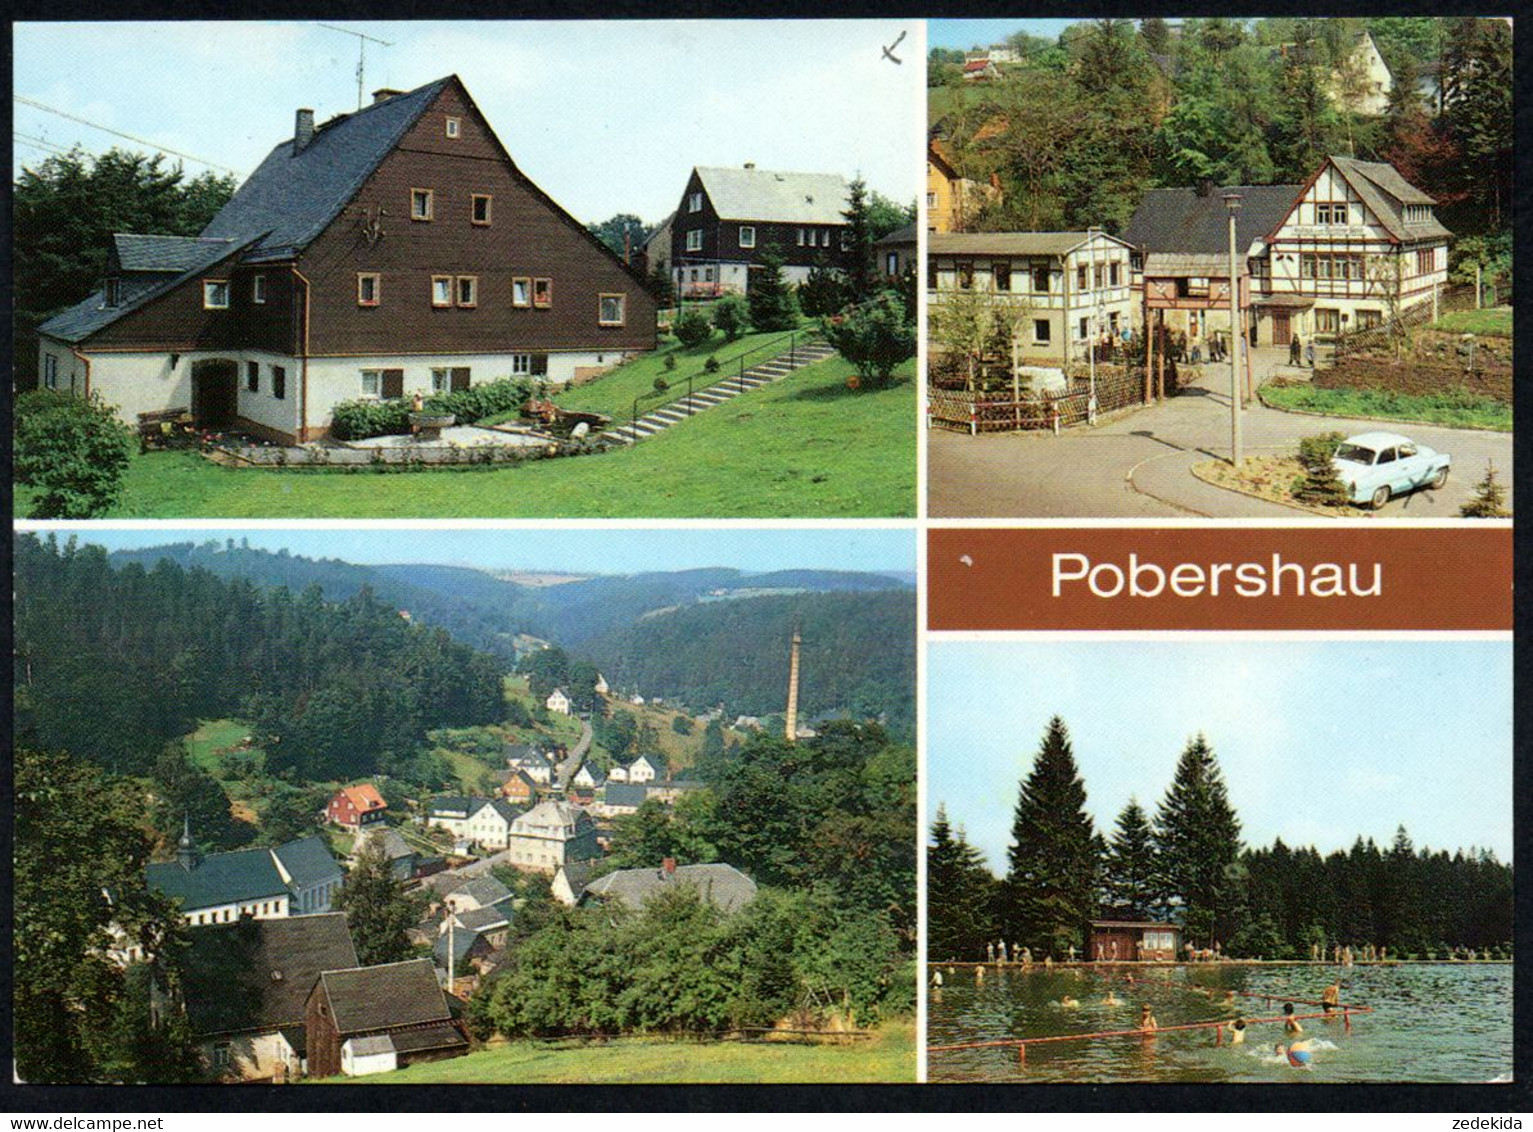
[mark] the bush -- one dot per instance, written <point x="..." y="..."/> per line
<point x="875" y="337"/>
<point x="357" y="420"/>
<point x="74" y="450"/>
<point x="823" y="293"/>
<point x="670" y="362"/>
<point x="772" y="303"/>
<point x="1320" y="484"/>
<point x="731" y="316"/>
<point x="712" y="364"/>
<point x="692" y="328"/>
<point x="1489" y="500"/>
<point x="661" y="385"/>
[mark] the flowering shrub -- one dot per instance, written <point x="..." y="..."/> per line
<point x="357" y="420"/>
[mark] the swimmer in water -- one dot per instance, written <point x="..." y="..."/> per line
<point x="1147" y="1019"/>
<point x="1330" y="998"/>
<point x="1229" y="998"/>
<point x="936" y="977"/>
<point x="1110" y="1000"/>
<point x="1238" y="1032"/>
<point x="1290" y="1023"/>
<point x="1066" y="1000"/>
<point x="1298" y="1053"/>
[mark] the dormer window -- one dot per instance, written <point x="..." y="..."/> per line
<point x="695" y="202"/>
<point x="114" y="292"/>
<point x="454" y="127"/>
<point x="420" y="204"/>
<point x="215" y="294"/>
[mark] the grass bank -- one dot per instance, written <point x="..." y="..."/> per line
<point x="1453" y="408"/>
<point x="888" y="1056"/>
<point x="802" y="447"/>
<point x="1494" y="322"/>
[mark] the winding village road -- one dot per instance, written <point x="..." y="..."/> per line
<point x="1137" y="465"/>
<point x="571" y="763"/>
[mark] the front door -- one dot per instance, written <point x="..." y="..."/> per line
<point x="215" y="393"/>
<point x="1281" y="333"/>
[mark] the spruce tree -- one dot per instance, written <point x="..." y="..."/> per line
<point x="958" y="895"/>
<point x="1051" y="887"/>
<point x="773" y="305"/>
<point x="1130" y="864"/>
<point x="861" y="277"/>
<point x="378" y="910"/>
<point x="1197" y="842"/>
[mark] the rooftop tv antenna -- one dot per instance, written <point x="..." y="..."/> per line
<point x="362" y="42"/>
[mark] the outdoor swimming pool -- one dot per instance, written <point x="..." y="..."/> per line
<point x="1449" y="1022"/>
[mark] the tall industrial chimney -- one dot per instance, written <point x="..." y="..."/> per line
<point x="790" y="726"/>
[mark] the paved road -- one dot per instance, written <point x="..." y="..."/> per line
<point x="1137" y="465"/>
<point x="571" y="763"/>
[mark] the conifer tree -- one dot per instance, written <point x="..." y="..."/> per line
<point x="378" y="910"/>
<point x="1130" y="864"/>
<point x="958" y="895"/>
<point x="1197" y="842"/>
<point x="1051" y="887"/>
<point x="862" y="279"/>
<point x="773" y="304"/>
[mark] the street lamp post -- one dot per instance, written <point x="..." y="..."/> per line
<point x="1237" y="456"/>
<point x="1091" y="326"/>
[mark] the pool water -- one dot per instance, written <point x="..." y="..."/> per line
<point x="1430" y="1023"/>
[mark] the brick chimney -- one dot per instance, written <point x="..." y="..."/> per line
<point x="750" y="165"/>
<point x="668" y="866"/>
<point x="303" y="131"/>
<point x="384" y="93"/>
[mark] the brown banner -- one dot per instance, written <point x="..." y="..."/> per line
<point x="1373" y="577"/>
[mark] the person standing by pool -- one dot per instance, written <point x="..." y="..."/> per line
<point x="989" y="952"/>
<point x="1147" y="1021"/>
<point x="1290" y="1023"/>
<point x="1111" y="999"/>
<point x="1330" y="998"/>
<point x="936" y="977"/>
<point x="1002" y="953"/>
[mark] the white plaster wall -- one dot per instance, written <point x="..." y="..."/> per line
<point x="141" y="383"/>
<point x="71" y="370"/>
<point x="263" y="408"/>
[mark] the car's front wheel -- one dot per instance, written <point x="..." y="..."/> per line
<point x="1380" y="497"/>
<point x="1440" y="478"/>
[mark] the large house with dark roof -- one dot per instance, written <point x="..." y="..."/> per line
<point x="723" y="886"/>
<point x="245" y="988"/>
<point x="1340" y="252"/>
<point x="295" y="879"/>
<point x="373" y="1019"/>
<point x="727" y="217"/>
<point x="394" y="249"/>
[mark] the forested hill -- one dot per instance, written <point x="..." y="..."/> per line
<point x="113" y="664"/>
<point x="858" y="655"/>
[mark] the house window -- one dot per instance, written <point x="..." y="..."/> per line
<point x="441" y="290"/>
<point x="441" y="379"/>
<point x="420" y="204"/>
<point x="695" y="240"/>
<point x="454" y="127"/>
<point x="1002" y="272"/>
<point x="747" y="236"/>
<point x="1041" y="280"/>
<point x="1112" y="272"/>
<point x="50" y="371"/>
<point x="1042" y="331"/>
<point x="114" y="292"/>
<point x="695" y="202"/>
<point x="1367" y="319"/>
<point x="1080" y="277"/>
<point x="1085" y="329"/>
<point x="1096" y="277"/>
<point x="610" y="310"/>
<point x="278" y="382"/>
<point x="1327" y="320"/>
<point x="479" y="206"/>
<point x="468" y="290"/>
<point x="521" y="292"/>
<point x="931" y="200"/>
<point x="1331" y="213"/>
<point x="892" y="266"/>
<point x="543" y="293"/>
<point x="215" y="294"/>
<point x="372" y="383"/>
<point x="253" y="377"/>
<point x="800" y="237"/>
<point x="521" y="365"/>
<point x="368" y="287"/>
<point x="221" y="1055"/>
<point x="258" y="289"/>
<point x="1426" y="261"/>
<point x="965" y="276"/>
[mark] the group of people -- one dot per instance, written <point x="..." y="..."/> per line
<point x="1343" y="956"/>
<point x="1300" y="354"/>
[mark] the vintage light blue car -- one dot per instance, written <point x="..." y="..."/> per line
<point x="1378" y="465"/>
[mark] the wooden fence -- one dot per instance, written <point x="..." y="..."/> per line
<point x="996" y="410"/>
<point x="1383" y="336"/>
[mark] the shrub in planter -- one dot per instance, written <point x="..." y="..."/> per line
<point x="731" y="315"/>
<point x="73" y="449"/>
<point x="874" y="337"/>
<point x="1489" y="501"/>
<point x="357" y="420"/>
<point x="693" y="328"/>
<point x="1320" y="484"/>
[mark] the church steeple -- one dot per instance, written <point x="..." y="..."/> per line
<point x="186" y="849"/>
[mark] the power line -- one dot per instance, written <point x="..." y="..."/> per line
<point x="40" y="143"/>
<point x="118" y="133"/>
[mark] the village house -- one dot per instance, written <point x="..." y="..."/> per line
<point x="896" y="252"/>
<point x="982" y="69"/>
<point x="655" y="253"/>
<point x="1050" y="284"/>
<point x="588" y="777"/>
<point x="244" y="988"/>
<point x="375" y="1019"/>
<point x="723" y="886"/>
<point x="353" y="807"/>
<point x="570" y="881"/>
<point x="549" y="835"/>
<point x="535" y="761"/>
<point x="477" y="892"/>
<point x="558" y="702"/>
<point x="480" y="821"/>
<point x="390" y="250"/>
<point x="727" y="217"/>
<point x="402" y="859"/>
<point x="1348" y="250"/>
<point x="950" y="198"/>
<point x="1362" y="82"/>
<point x="518" y="788"/>
<point x="296" y="879"/>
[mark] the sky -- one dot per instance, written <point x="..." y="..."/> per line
<point x="605" y="116"/>
<point x="1319" y="741"/>
<point x="964" y="34"/>
<point x="567" y="549"/>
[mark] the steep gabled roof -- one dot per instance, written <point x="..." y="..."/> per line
<point x="164" y="254"/>
<point x="293" y="197"/>
<point x="308" y="861"/>
<point x="364" y="796"/>
<point x="219" y="878"/>
<point x="257" y="974"/>
<point x="786" y="198"/>
<point x="724" y="886"/>
<point x="1183" y="220"/>
<point x="382" y="997"/>
<point x="1385" y="193"/>
<point x="484" y="891"/>
<point x="898" y="238"/>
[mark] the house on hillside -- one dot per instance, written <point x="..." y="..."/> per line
<point x="244" y="988"/>
<point x="385" y="251"/>
<point x="295" y="879"/>
<point x="1338" y="253"/>
<point x="654" y="256"/>
<point x="951" y="199"/>
<point x="535" y="761"/>
<point x="982" y="69"/>
<point x="478" y="892"/>
<point x="647" y="768"/>
<point x="552" y="834"/>
<point x="558" y="702"/>
<point x="1361" y="83"/>
<point x="570" y="881"/>
<point x="375" y="1019"/>
<point x="396" y="849"/>
<point x="518" y="788"/>
<point x="353" y="807"/>
<point x="588" y="777"/>
<point x="1052" y="284"/>
<point x="727" y="217"/>
<point x="480" y="821"/>
<point x="724" y="886"/>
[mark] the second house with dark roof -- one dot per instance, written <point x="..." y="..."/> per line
<point x="386" y="251"/>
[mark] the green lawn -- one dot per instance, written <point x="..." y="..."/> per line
<point x="888" y="1056"/>
<point x="613" y="393"/>
<point x="204" y="745"/>
<point x="802" y="447"/>
<point x="1496" y="322"/>
<point x="1455" y="409"/>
